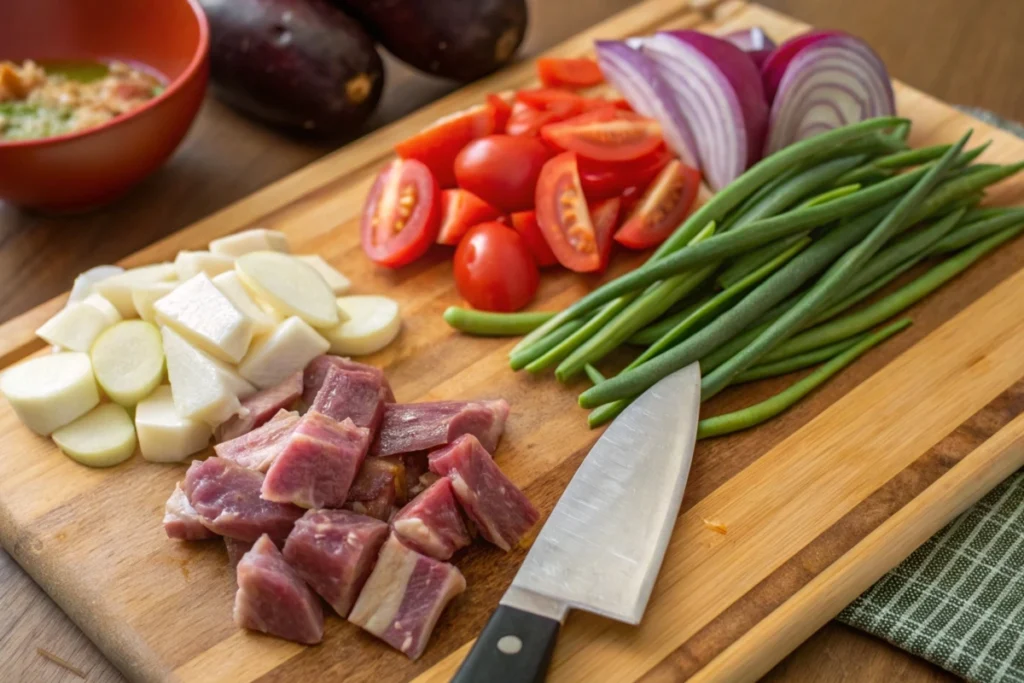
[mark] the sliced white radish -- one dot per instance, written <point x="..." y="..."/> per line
<point x="247" y="241"/>
<point x="118" y="288"/>
<point x="144" y="296"/>
<point x="103" y="305"/>
<point x="188" y="264"/>
<point x="199" y="390"/>
<point x="103" y="437"/>
<point x="75" y="327"/>
<point x="84" y="282"/>
<point x="338" y="283"/>
<point x="198" y="311"/>
<point x="128" y="361"/>
<point x="373" y="323"/>
<point x="290" y="286"/>
<point x="48" y="392"/>
<point x="231" y="286"/>
<point x="164" y="435"/>
<point x="286" y="350"/>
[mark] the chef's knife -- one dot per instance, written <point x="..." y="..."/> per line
<point x="602" y="546"/>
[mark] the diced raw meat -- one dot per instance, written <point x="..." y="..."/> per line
<point x="425" y="480"/>
<point x="316" y="370"/>
<point x="378" y="488"/>
<point x="500" y="510"/>
<point x="408" y="427"/>
<point x="432" y="523"/>
<point x="262" y="407"/>
<point x="236" y="550"/>
<point x="227" y="498"/>
<point x="319" y="463"/>
<point x="415" y="467"/>
<point x="404" y="597"/>
<point x="334" y="551"/>
<point x="353" y="394"/>
<point x="272" y="598"/>
<point x="181" y="521"/>
<point x="258" y="448"/>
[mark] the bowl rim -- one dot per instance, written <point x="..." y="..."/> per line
<point x="197" y="61"/>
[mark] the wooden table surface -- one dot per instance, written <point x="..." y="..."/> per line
<point x="964" y="53"/>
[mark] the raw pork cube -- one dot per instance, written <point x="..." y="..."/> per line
<point x="181" y="520"/>
<point x="378" y="488"/>
<point x="319" y="463"/>
<point x="258" y="448"/>
<point x="408" y="427"/>
<point x="415" y="467"/>
<point x="404" y="597"/>
<point x="262" y="406"/>
<point x="500" y="510"/>
<point x="432" y="523"/>
<point x="236" y="550"/>
<point x="227" y="498"/>
<point x="334" y="551"/>
<point x="316" y="371"/>
<point x="273" y="599"/>
<point x="352" y="394"/>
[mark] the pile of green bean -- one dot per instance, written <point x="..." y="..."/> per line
<point x="760" y="281"/>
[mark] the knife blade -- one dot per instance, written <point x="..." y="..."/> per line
<point x="602" y="546"/>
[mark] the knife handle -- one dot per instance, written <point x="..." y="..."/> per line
<point x="515" y="647"/>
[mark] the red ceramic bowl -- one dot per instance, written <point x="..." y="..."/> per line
<point x="91" y="167"/>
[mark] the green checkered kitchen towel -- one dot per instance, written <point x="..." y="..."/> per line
<point x="958" y="600"/>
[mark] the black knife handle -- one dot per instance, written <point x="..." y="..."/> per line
<point x="515" y="647"/>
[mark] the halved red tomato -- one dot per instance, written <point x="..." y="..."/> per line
<point x="525" y="223"/>
<point x="601" y="179"/>
<point x="460" y="211"/>
<point x="502" y="170"/>
<point x="494" y="270"/>
<point x="564" y="218"/>
<point x="438" y="144"/>
<point x="572" y="73"/>
<point x="604" y="214"/>
<point x="561" y="102"/>
<point x="502" y="112"/>
<point x="662" y="208"/>
<point x="606" y="134"/>
<point x="525" y="121"/>
<point x="402" y="214"/>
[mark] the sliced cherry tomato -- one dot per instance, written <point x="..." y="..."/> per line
<point x="630" y="198"/>
<point x="604" y="214"/>
<point x="502" y="170"/>
<point x="402" y="214"/>
<point x="662" y="208"/>
<point x="460" y="211"/>
<point x="561" y="102"/>
<point x="502" y="112"/>
<point x="525" y="121"/>
<point x="564" y="218"/>
<point x="525" y="223"/>
<point x="572" y="73"/>
<point x="602" y="179"/>
<point x="607" y="134"/>
<point x="438" y="144"/>
<point x="494" y="270"/>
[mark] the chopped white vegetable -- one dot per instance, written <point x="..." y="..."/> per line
<point x="103" y="437"/>
<point x="128" y="361"/>
<point x="290" y="286"/>
<point x="197" y="386"/>
<point x="103" y="305"/>
<point x="188" y="264"/>
<point x="286" y="350"/>
<point x="164" y="435"/>
<point x="144" y="296"/>
<point x="48" y="392"/>
<point x="84" y="282"/>
<point x="338" y="283"/>
<point x="198" y="311"/>
<point x="75" y="327"/>
<point x="373" y="323"/>
<point x="248" y="241"/>
<point x="118" y="288"/>
<point x="231" y="286"/>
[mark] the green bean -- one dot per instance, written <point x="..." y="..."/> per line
<point x="654" y="331"/>
<point x="765" y="410"/>
<point x="768" y="188"/>
<point x="719" y="205"/>
<point x="607" y="412"/>
<point x="963" y="186"/>
<point x="901" y="131"/>
<point x="800" y="361"/>
<point x="912" y="157"/>
<point x="569" y="344"/>
<point x="864" y="175"/>
<point x="520" y="361"/>
<point x="984" y="212"/>
<point x="487" y="324"/>
<point x="854" y="297"/>
<point x="593" y="373"/>
<point x="972" y="232"/>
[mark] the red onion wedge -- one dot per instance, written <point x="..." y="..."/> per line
<point x="832" y="82"/>
<point x="637" y="80"/>
<point x="718" y="90"/>
<point x="777" y="62"/>
<point x="754" y="41"/>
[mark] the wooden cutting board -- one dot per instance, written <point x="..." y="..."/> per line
<point x="781" y="526"/>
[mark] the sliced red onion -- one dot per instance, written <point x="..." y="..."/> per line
<point x="718" y="90"/>
<point x="637" y="80"/>
<point x="753" y="41"/>
<point x="831" y="82"/>
<point x="776" y="62"/>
